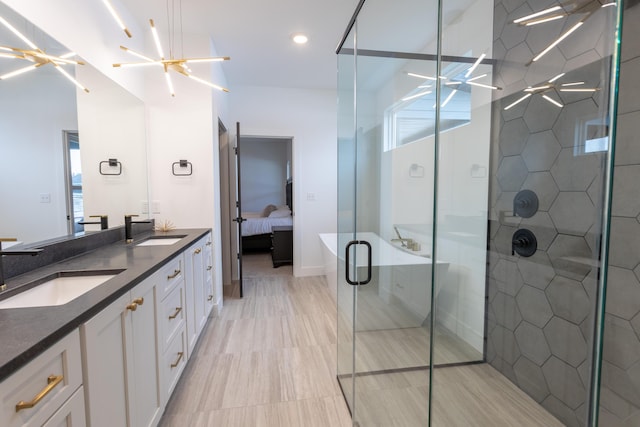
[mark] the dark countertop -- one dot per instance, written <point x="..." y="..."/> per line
<point x="27" y="332"/>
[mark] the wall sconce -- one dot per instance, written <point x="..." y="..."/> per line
<point x="416" y="171"/>
<point x="185" y="168"/>
<point x="110" y="164"/>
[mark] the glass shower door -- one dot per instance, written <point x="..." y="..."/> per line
<point x="474" y="159"/>
<point x="386" y="161"/>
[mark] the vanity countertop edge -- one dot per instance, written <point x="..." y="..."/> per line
<point x="27" y="332"/>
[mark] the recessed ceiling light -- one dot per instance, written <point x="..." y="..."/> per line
<point x="300" y="38"/>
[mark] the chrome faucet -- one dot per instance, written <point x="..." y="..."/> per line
<point x="32" y="252"/>
<point x="128" y="234"/>
<point x="104" y="221"/>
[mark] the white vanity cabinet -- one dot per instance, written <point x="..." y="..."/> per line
<point x="172" y="325"/>
<point x="121" y="380"/>
<point x="208" y="276"/>
<point x="199" y="288"/>
<point x="121" y="366"/>
<point x="45" y="391"/>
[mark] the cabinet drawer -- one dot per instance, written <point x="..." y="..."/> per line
<point x="71" y="414"/>
<point x="174" y="361"/>
<point x="47" y="381"/>
<point x="172" y="315"/>
<point x="170" y="275"/>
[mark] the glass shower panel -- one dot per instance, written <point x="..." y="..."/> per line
<point x="345" y="293"/>
<point x="459" y="376"/>
<point x="394" y="162"/>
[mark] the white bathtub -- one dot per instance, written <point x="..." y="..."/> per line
<point x="397" y="274"/>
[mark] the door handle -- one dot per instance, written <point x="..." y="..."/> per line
<point x="348" y="259"/>
<point x="239" y="220"/>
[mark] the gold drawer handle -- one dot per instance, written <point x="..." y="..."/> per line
<point x="138" y="301"/>
<point x="52" y="382"/>
<point x="210" y="298"/>
<point x="174" y="315"/>
<point x="209" y="268"/>
<point x="197" y="251"/>
<point x="133" y="306"/>
<point x="174" y="275"/>
<point x="180" y="354"/>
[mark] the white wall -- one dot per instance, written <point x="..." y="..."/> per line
<point x="32" y="154"/>
<point x="309" y="117"/>
<point x="185" y="127"/>
<point x="264" y="173"/>
<point x="111" y="124"/>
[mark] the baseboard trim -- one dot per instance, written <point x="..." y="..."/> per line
<point x="308" y="271"/>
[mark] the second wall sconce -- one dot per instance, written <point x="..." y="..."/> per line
<point x="182" y="168"/>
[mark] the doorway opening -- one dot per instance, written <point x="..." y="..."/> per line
<point x="258" y="172"/>
<point x="73" y="182"/>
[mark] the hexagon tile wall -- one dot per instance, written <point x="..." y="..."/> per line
<point x="540" y="315"/>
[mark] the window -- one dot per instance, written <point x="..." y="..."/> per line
<point x="414" y="116"/>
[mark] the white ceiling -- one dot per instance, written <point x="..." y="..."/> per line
<point x="256" y="34"/>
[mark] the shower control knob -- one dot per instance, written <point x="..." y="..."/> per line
<point x="524" y="243"/>
<point x="525" y="204"/>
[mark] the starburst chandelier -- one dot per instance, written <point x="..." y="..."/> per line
<point x="177" y="65"/>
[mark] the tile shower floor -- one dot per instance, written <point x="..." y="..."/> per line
<point x="269" y="359"/>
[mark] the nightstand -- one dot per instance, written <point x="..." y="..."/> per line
<point x="281" y="245"/>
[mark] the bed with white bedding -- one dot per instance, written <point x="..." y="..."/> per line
<point x="255" y="223"/>
<point x="256" y="227"/>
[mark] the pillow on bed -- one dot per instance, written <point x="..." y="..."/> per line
<point x="280" y="213"/>
<point x="268" y="209"/>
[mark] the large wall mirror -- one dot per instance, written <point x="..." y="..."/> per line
<point x="65" y="154"/>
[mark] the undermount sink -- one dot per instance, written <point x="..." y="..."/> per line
<point x="58" y="288"/>
<point x="160" y="240"/>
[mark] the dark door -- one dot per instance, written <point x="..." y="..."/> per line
<point x="238" y="219"/>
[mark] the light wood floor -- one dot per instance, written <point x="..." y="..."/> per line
<point x="269" y="359"/>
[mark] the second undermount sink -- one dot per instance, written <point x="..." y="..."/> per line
<point x="58" y="288"/>
<point x="160" y="240"/>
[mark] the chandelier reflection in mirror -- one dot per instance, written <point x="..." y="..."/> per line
<point x="180" y="66"/>
<point x="412" y="117"/>
<point x="550" y="87"/>
<point x="585" y="8"/>
<point x="454" y="83"/>
<point x="36" y="56"/>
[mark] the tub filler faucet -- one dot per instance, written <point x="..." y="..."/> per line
<point x="403" y="242"/>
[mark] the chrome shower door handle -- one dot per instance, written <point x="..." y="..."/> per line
<point x="348" y="262"/>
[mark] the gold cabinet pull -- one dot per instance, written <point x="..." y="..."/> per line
<point x="174" y="275"/>
<point x="197" y="251"/>
<point x="138" y="301"/>
<point x="209" y="268"/>
<point x="133" y="306"/>
<point x="175" y="314"/>
<point x="180" y="354"/>
<point x="210" y="298"/>
<point x="52" y="382"/>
